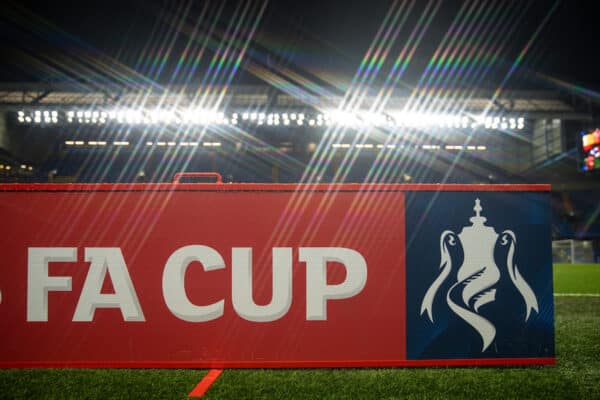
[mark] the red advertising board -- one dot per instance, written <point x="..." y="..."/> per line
<point x="207" y="275"/>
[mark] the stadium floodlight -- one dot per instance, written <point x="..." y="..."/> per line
<point x="129" y="116"/>
<point x="163" y="116"/>
<point x="341" y="118"/>
<point x="464" y="122"/>
<point x="374" y="119"/>
<point x="391" y="119"/>
<point x="199" y="116"/>
<point x="412" y="120"/>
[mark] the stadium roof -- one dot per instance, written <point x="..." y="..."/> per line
<point x="534" y="104"/>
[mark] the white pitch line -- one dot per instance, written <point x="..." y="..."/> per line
<point x="576" y="294"/>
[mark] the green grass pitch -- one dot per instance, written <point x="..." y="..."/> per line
<point x="576" y="374"/>
<point x="577" y="278"/>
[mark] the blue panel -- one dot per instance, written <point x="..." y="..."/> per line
<point x="496" y="308"/>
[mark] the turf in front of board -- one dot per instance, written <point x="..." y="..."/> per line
<point x="575" y="375"/>
<point x="577" y="278"/>
<point x="97" y="383"/>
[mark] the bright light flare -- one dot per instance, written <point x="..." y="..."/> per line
<point x="212" y="117"/>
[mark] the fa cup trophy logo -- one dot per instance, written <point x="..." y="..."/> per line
<point x="477" y="275"/>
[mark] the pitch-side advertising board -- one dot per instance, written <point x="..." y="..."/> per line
<point x="275" y="275"/>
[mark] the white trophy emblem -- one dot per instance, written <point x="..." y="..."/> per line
<point x="477" y="275"/>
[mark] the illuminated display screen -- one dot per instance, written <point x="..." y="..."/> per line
<point x="590" y="144"/>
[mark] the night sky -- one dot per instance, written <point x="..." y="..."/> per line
<point x="313" y="44"/>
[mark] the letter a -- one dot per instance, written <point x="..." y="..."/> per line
<point x="107" y="259"/>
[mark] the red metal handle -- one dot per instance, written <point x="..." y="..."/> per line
<point x="179" y="175"/>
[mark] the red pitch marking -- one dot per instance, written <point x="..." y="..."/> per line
<point x="205" y="383"/>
